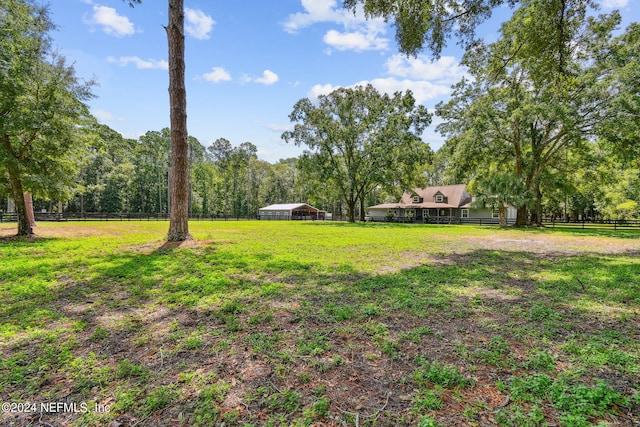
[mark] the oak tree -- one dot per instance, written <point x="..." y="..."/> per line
<point x="41" y="109"/>
<point x="361" y="139"/>
<point x="428" y="24"/>
<point x="523" y="110"/>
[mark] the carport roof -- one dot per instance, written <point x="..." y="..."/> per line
<point x="289" y="207"/>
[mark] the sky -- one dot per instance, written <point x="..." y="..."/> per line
<point x="248" y="62"/>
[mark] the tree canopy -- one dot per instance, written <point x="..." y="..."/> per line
<point x="428" y="24"/>
<point x="42" y="114"/>
<point x="522" y="110"/>
<point x="361" y="139"/>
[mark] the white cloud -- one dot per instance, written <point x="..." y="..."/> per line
<point x="217" y="74"/>
<point x="279" y="128"/>
<point x="427" y="79"/>
<point x="105" y="116"/>
<point x="198" y="25"/>
<point x="141" y="64"/>
<point x="614" y="4"/>
<point x="357" y="41"/>
<point x="315" y="11"/>
<point x="357" y="33"/>
<point x="111" y="22"/>
<point x="268" y="78"/>
<point x="444" y="70"/>
<point x="318" y="90"/>
<point x="422" y="90"/>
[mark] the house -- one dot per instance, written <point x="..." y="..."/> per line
<point x="291" y="211"/>
<point x="439" y="204"/>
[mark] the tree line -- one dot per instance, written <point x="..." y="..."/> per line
<point x="121" y="175"/>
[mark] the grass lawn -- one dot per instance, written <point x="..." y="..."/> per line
<point x="289" y="323"/>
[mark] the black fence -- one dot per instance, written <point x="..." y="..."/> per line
<point x="619" y="224"/>
<point x="440" y="220"/>
<point x="137" y="216"/>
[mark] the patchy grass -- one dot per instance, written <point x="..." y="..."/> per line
<point x="284" y="323"/>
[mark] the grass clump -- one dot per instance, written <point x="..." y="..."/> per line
<point x="439" y="374"/>
<point x="576" y="402"/>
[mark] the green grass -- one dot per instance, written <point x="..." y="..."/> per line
<point x="289" y="323"/>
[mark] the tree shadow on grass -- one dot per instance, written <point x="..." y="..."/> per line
<point x="484" y="309"/>
<point x="27" y="240"/>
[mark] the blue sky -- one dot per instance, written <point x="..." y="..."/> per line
<point x="247" y="63"/>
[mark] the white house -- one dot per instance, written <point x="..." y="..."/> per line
<point x="439" y="204"/>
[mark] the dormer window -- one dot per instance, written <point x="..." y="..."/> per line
<point x="439" y="198"/>
<point x="416" y="199"/>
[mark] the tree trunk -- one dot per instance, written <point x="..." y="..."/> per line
<point x="351" y="206"/>
<point x="537" y="206"/>
<point x="159" y="189"/>
<point x="28" y="205"/>
<point x="521" y="216"/>
<point x="24" y="225"/>
<point x="179" y="213"/>
<point x="502" y="214"/>
<point x="362" y="216"/>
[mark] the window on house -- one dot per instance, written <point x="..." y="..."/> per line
<point x="416" y="199"/>
<point x="495" y="213"/>
<point x="439" y="198"/>
<point x="464" y="213"/>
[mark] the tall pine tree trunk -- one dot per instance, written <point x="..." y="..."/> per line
<point x="179" y="213"/>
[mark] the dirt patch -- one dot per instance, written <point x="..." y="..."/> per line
<point x="566" y="244"/>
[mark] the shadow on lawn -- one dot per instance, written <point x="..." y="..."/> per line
<point x="188" y="277"/>
<point x="26" y="241"/>
<point x="171" y="310"/>
<point x="209" y="280"/>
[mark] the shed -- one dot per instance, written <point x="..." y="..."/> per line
<point x="291" y="211"/>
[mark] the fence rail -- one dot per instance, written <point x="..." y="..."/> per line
<point x="619" y="224"/>
<point x="440" y="220"/>
<point x="133" y="216"/>
<point x="136" y="216"/>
